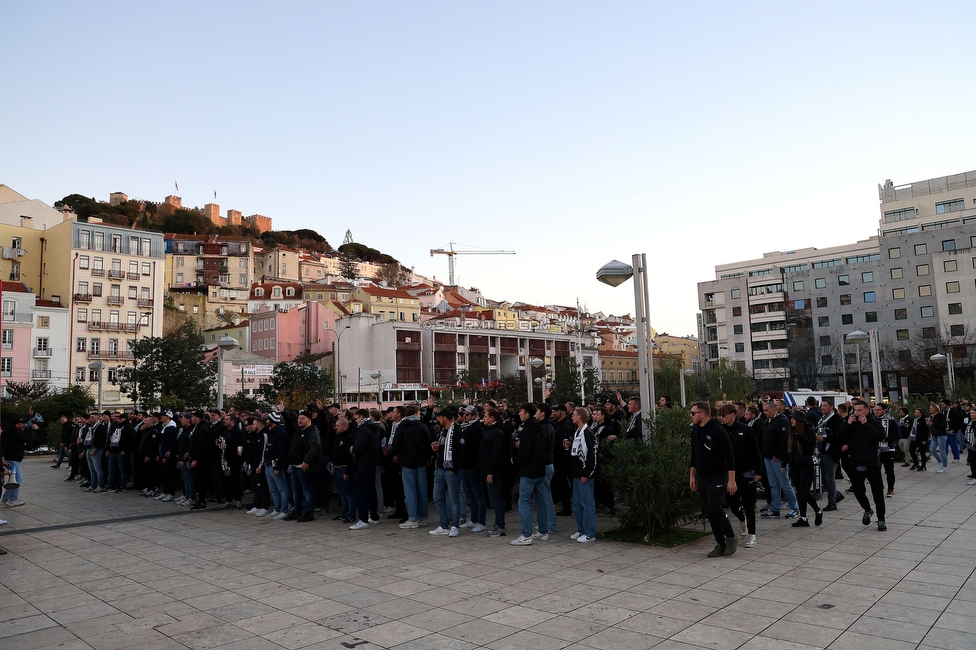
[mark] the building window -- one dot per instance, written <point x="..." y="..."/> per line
<point x="901" y="335"/>
<point x="146" y="268"/>
<point x="870" y="317"/>
<point x="759" y="346"/>
<point x="83" y="261"/>
<point x="8" y="339"/>
<point x="845" y="299"/>
<point x="44" y="322"/>
<point x="843" y="280"/>
<point x="922" y="269"/>
<point x="179" y="278"/>
<point x="901" y="314"/>
<point x="99" y="241"/>
<point x="740" y="347"/>
<point x="821" y="302"/>
<point x="950" y="266"/>
<point x="80" y="374"/>
<point x="867" y="276"/>
<point x="825" y="341"/>
<point x="955" y="308"/>
<point x="799" y="304"/>
<point x="952" y="287"/>
<point x="928" y="312"/>
<point x="179" y="261"/>
<point x="897" y="273"/>
<point x="928" y="333"/>
<point x="957" y="330"/>
<point x="96" y="289"/>
<point x="925" y="290"/>
<point x="80" y="344"/>
<point x="847" y="319"/>
<point x="823" y="321"/>
<point x="798" y="285"/>
<point x="243" y="278"/>
<point x="737" y="329"/>
<point x="827" y="360"/>
<point x="820" y="283"/>
<point x="84" y="239"/>
<point x="757" y="327"/>
<point x="946" y="207"/>
<point x="921" y="249"/>
<point x="894" y="253"/>
<point x="897" y="294"/>
<point x="116" y="243"/>
<point x="869" y="296"/>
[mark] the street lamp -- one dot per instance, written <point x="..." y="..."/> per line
<point x="681" y="377"/>
<point x="614" y="274"/>
<point x="857" y="337"/>
<point x="938" y="357"/>
<point x="98" y="366"/>
<point x="378" y="376"/>
<point x="338" y="375"/>
<point x="533" y="363"/>
<point x="223" y="343"/>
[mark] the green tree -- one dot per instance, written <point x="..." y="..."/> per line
<point x="298" y="382"/>
<point x="567" y="384"/>
<point x="728" y="380"/>
<point x="170" y="370"/>
<point x="347" y="267"/>
<point x="71" y="401"/>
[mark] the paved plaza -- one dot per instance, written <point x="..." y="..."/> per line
<point x="120" y="571"/>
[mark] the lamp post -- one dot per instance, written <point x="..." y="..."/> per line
<point x="97" y="367"/>
<point x="338" y="375"/>
<point x="615" y="273"/>
<point x="378" y="376"/>
<point x="857" y="337"/>
<point x="947" y="357"/>
<point x="223" y="343"/>
<point x="681" y="377"/>
<point x="532" y="363"/>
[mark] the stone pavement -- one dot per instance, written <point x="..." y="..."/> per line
<point x="78" y="575"/>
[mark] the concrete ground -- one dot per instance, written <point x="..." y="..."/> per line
<point x="118" y="571"/>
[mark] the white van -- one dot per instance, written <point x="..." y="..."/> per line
<point x="799" y="397"/>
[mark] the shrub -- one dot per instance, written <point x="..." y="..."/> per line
<point x="653" y="476"/>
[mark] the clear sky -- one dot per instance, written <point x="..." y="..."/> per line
<point x="573" y="133"/>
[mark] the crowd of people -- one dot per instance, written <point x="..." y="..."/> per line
<point x="472" y="457"/>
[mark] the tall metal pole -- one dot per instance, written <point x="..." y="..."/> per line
<point x="952" y="373"/>
<point x="876" y="366"/>
<point x="220" y="377"/>
<point x="645" y="363"/>
<point x="528" y="372"/>
<point x="860" y="375"/>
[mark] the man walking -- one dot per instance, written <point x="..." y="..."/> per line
<point x="712" y="474"/>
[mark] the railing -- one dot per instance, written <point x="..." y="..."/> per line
<point x="82" y="297"/>
<point x="116" y="300"/>
<point x="116" y="274"/>
<point x="40" y="374"/>
<point x="18" y="318"/>
<point x="121" y="327"/>
<point x="109" y="354"/>
<point x="98" y="273"/>
<point x="145" y="302"/>
<point x="95" y="325"/>
<point x="42" y="352"/>
<point x="132" y="276"/>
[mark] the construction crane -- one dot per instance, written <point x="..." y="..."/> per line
<point x="450" y="252"/>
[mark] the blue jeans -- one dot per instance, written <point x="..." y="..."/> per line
<point x="447" y="485"/>
<point x="529" y="487"/>
<point x="779" y="481"/>
<point x="346" y="508"/>
<point x="584" y="507"/>
<point x="118" y="468"/>
<point x="415" y="492"/>
<point x="280" y="492"/>
<point x="471" y="479"/>
<point x="938" y="445"/>
<point x="301" y="483"/>
<point x="953" y="440"/>
<point x="94" y="457"/>
<point x="189" y="490"/>
<point x="550" y="507"/>
<point x="10" y="496"/>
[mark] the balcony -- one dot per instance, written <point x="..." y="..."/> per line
<point x="116" y="300"/>
<point x="82" y="297"/>
<point x="98" y="273"/>
<point x="18" y="318"/>
<point x="121" y="327"/>
<point x="109" y="354"/>
<point x="132" y="276"/>
<point x="145" y="302"/>
<point x="95" y="325"/>
<point x="42" y="353"/>
<point x="43" y="375"/>
<point x="116" y="274"/>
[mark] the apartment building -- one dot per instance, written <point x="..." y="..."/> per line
<point x="287" y="333"/>
<point x="786" y="316"/>
<point x="34" y="334"/>
<point x="220" y="266"/>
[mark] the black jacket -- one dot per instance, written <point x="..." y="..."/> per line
<point x="711" y="449"/>
<point x="862" y="441"/>
<point x="584" y="466"/>
<point x="200" y="443"/>
<point x="341" y="454"/>
<point x="411" y="443"/>
<point x="15" y="443"/>
<point x="305" y="447"/>
<point x="493" y="456"/>
<point x="745" y="450"/>
<point x="827" y="427"/>
<point x="367" y="450"/>
<point x="468" y="444"/>
<point x="801" y="447"/>
<point x="775" y="434"/>
<point x="532" y="454"/>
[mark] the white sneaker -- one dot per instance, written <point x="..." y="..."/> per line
<point x="373" y="521"/>
<point x="167" y="498"/>
<point x="467" y="524"/>
<point x="409" y="524"/>
<point x="387" y="510"/>
<point x="273" y="514"/>
<point x="439" y="531"/>
<point x="359" y="525"/>
<point x="521" y="541"/>
<point x="479" y="528"/>
<point x="252" y="511"/>
<point x="574" y="536"/>
<point x="262" y="512"/>
<point x="544" y="538"/>
<point x="743" y="529"/>
<point x="750" y="542"/>
<point x="583" y="539"/>
<point x="2" y="522"/>
<point x="454" y="532"/>
<point x="941" y="470"/>
<point x="423" y="523"/>
<point x="971" y="481"/>
<point x="158" y="497"/>
<point x="281" y="515"/>
<point x="14" y="504"/>
<point x="955" y="460"/>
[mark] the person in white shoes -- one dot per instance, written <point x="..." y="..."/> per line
<point x="531" y="458"/>
<point x="969" y="436"/>
<point x="583" y="460"/>
<point x="447" y="481"/>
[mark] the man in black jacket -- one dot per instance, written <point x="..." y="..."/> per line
<point x="826" y="428"/>
<point x="775" y="436"/>
<point x="304" y="460"/>
<point x="199" y="456"/>
<point x="562" y="481"/>
<point x="96" y="451"/>
<point x="365" y="456"/>
<point x="859" y="436"/>
<point x="531" y="458"/>
<point x="15" y="444"/>
<point x="712" y="474"/>
<point x="493" y="459"/>
<point x="469" y="444"/>
<point x="410" y="448"/>
<point x="749" y="467"/>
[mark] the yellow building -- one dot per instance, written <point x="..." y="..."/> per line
<point x="388" y="304"/>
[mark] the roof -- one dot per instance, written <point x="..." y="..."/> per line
<point x="15" y="287"/>
<point x="229" y="326"/>
<point x="50" y="303"/>
<point x="386" y="293"/>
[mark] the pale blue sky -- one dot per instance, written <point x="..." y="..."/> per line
<point x="574" y="133"/>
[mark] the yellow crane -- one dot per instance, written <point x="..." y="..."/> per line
<point x="450" y="252"/>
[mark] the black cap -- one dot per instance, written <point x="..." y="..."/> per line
<point x="559" y="407"/>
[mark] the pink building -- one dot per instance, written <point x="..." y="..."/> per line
<point x="284" y="335"/>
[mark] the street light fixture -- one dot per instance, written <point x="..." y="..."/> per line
<point x="533" y="363"/>
<point x="223" y="343"/>
<point x="938" y="358"/>
<point x="614" y="274"/>
<point x="336" y="370"/>
<point x="378" y="376"/>
<point x="98" y="366"/>
<point x="681" y="376"/>
<point x="857" y="337"/>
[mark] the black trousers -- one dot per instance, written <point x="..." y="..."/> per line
<point x="201" y="479"/>
<point x="743" y="502"/>
<point x="803" y="485"/>
<point x="873" y="475"/>
<point x="914" y="450"/>
<point x="888" y="462"/>
<point x="711" y="489"/>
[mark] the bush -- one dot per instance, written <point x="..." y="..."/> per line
<point x="72" y="401"/>
<point x="653" y="476"/>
